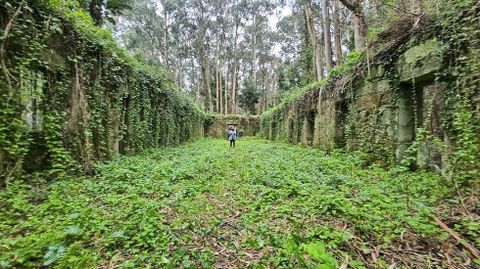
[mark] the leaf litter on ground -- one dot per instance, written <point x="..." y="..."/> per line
<point x="204" y="205"/>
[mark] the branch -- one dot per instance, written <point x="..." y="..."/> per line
<point x="10" y="22"/>
<point x="2" y="46"/>
<point x="397" y="8"/>
<point x="470" y="248"/>
<point x="353" y="6"/>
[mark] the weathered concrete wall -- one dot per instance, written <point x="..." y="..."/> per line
<point x="376" y="108"/>
<point x="217" y="125"/>
<point x="73" y="97"/>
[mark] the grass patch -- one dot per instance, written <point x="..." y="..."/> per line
<point x="204" y="205"/>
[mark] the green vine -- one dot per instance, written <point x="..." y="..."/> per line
<point x="78" y="93"/>
<point x="452" y="38"/>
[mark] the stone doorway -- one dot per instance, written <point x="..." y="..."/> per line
<point x="421" y="106"/>
<point x="309" y="127"/>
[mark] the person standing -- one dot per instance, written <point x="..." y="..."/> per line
<point x="232" y="136"/>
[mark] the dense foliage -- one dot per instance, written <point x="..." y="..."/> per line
<point x="391" y="82"/>
<point x="204" y="205"/>
<point x="460" y="33"/>
<point x="70" y="95"/>
<point x="213" y="47"/>
<point x="249" y="96"/>
<point x="295" y="96"/>
<point x="455" y="30"/>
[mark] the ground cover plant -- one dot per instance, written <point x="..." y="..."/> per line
<point x="204" y="205"/>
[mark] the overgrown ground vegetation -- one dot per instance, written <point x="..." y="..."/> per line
<point x="204" y="205"/>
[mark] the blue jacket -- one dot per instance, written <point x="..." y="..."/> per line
<point x="232" y="134"/>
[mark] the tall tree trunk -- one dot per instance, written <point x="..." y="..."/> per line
<point x="197" y="93"/>
<point x="359" y="36"/>
<point x="223" y="108"/>
<point x="327" y="37"/>
<point x="217" y="80"/>
<point x="317" y="59"/>
<point x="209" y="86"/>
<point x="178" y="63"/>
<point x="254" y="62"/>
<point x="274" y="91"/>
<point x="95" y="9"/>
<point x="338" y="33"/>
<point x="192" y="77"/>
<point x="220" y="92"/>
<point x="262" y="93"/>
<point x="234" y="86"/>
<point x="219" y="70"/>
<point x="226" y="87"/>
<point x="234" y="69"/>
<point x="203" y="54"/>
<point x="204" y="61"/>
<point x="360" y="24"/>
<point x="265" y="86"/>
<point x="320" y="48"/>
<point x="217" y="90"/>
<point x="165" y="37"/>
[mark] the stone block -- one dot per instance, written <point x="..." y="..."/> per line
<point x="382" y="86"/>
<point x="54" y="59"/>
<point x="377" y="71"/>
<point x="421" y="62"/>
<point x="368" y="102"/>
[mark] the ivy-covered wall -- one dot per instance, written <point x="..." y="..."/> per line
<point x="216" y="125"/>
<point x="416" y="101"/>
<point x="70" y="96"/>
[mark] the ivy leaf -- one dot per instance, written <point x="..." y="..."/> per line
<point x="72" y="230"/>
<point x="315" y="250"/>
<point x="119" y="234"/>
<point x="54" y="253"/>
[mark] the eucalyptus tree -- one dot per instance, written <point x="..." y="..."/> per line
<point x="202" y="22"/>
<point x="293" y="50"/>
<point x="210" y="46"/>
<point x="249" y="96"/>
<point x="359" y="21"/>
<point x="259" y="39"/>
<point x="139" y="30"/>
<point x="289" y="29"/>
<point x="327" y="35"/>
<point x="337" y="29"/>
<point x="318" y="60"/>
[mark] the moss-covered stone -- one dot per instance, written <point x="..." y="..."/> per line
<point x="380" y="113"/>
<point x="248" y="124"/>
<point x="421" y="62"/>
<point x="54" y="59"/>
<point x="82" y="94"/>
<point x="377" y="71"/>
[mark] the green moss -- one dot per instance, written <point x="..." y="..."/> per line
<point x="82" y="87"/>
<point x="417" y="53"/>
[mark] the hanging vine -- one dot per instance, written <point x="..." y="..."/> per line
<point x="70" y="84"/>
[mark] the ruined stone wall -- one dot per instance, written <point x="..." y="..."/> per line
<point x="382" y="108"/>
<point x="375" y="113"/>
<point x="388" y="106"/>
<point x="72" y="97"/>
<point x="217" y="124"/>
